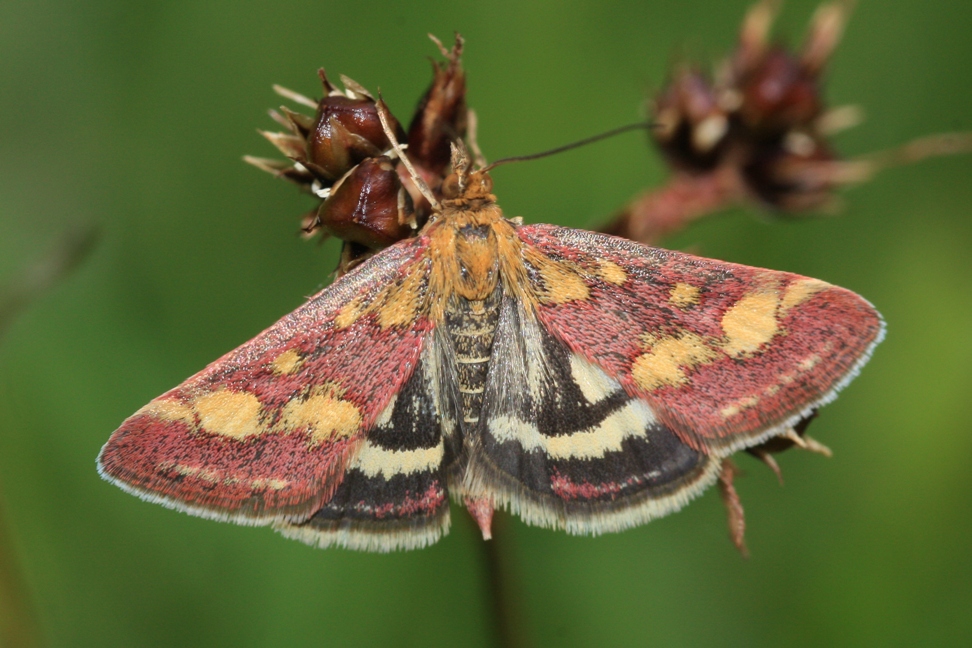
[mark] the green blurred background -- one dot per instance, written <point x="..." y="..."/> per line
<point x="135" y="115"/>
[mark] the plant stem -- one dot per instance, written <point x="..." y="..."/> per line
<point x="495" y="556"/>
<point x="18" y="623"/>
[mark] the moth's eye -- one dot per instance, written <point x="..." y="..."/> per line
<point x="450" y="187"/>
<point x="485" y="183"/>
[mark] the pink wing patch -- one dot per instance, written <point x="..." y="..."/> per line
<point x="725" y="354"/>
<point x="266" y="431"/>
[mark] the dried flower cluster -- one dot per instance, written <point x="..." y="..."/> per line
<point x="343" y="156"/>
<point x="757" y="132"/>
<point x="754" y="131"/>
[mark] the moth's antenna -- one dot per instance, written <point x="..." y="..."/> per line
<point x="390" y="134"/>
<point x="573" y="145"/>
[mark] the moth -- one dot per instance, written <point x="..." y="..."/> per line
<point x="581" y="381"/>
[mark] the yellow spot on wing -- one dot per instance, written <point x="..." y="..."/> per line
<point x="217" y="477"/>
<point x="800" y="291"/>
<point x="739" y="405"/>
<point x="322" y="414"/>
<point x="199" y="472"/>
<point x="399" y="304"/>
<point x="169" y="410"/>
<point x="665" y="362"/>
<point x="350" y="313"/>
<point x="287" y="362"/>
<point x="231" y="414"/>
<point x="783" y="381"/>
<point x="684" y="295"/>
<point x="561" y="283"/>
<point x="272" y="484"/>
<point x="611" y="272"/>
<point x="750" y="323"/>
<point x="809" y="362"/>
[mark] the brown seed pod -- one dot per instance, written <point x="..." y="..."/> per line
<point x="778" y="94"/>
<point x="345" y="131"/>
<point x="691" y="127"/>
<point x="369" y="206"/>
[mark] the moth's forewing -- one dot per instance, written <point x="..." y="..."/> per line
<point x="266" y="433"/>
<point x="726" y="355"/>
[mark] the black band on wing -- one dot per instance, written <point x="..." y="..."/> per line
<point x="393" y="495"/>
<point x="570" y="449"/>
<point x="657" y="462"/>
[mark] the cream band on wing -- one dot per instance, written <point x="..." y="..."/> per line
<point x="374" y="460"/>
<point x="631" y="420"/>
<point x="594" y="384"/>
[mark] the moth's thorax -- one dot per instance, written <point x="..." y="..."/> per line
<point x="474" y="250"/>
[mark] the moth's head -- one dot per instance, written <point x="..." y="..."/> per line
<point x="464" y="184"/>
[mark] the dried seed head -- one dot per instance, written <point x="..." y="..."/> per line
<point x="692" y="126"/>
<point x="760" y="116"/>
<point x="761" y="122"/>
<point x="778" y="94"/>
<point x="757" y="131"/>
<point x="338" y="155"/>
<point x="343" y="154"/>
<point x="344" y="131"/>
<point x="441" y="115"/>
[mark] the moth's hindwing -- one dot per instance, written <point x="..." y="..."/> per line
<point x="725" y="355"/>
<point x="394" y="494"/>
<point x="563" y="445"/>
<point x="265" y="433"/>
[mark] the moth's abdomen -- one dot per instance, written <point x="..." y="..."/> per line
<point x="472" y="327"/>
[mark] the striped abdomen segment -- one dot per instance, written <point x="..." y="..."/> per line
<point x="472" y="326"/>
